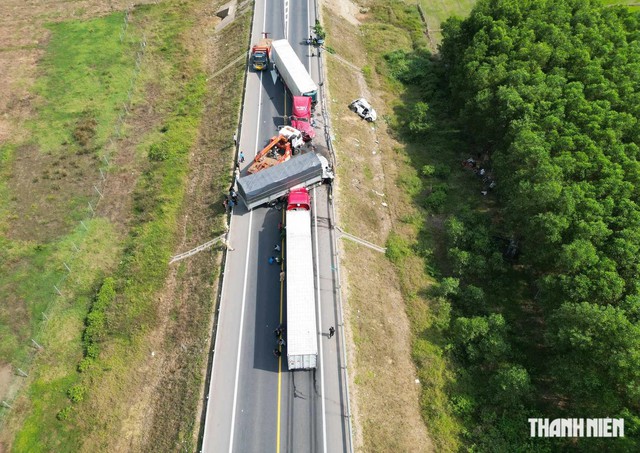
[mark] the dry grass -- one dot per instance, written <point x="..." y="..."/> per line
<point x="167" y="385"/>
<point x="387" y="410"/>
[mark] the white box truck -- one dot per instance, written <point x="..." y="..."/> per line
<point x="292" y="71"/>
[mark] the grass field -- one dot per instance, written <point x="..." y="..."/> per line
<point x="88" y="71"/>
<point x="631" y="4"/>
<point x="82" y="81"/>
<point x="437" y="11"/>
<point x="47" y="184"/>
<point x="392" y="316"/>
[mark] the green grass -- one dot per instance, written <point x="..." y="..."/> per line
<point x="631" y="4"/>
<point x="88" y="71"/>
<point x="158" y="200"/>
<point x="413" y="247"/>
<point x="84" y="74"/>
<point x="60" y="335"/>
<point x="7" y="152"/>
<point x="437" y="11"/>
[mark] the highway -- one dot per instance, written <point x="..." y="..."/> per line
<point x="254" y="403"/>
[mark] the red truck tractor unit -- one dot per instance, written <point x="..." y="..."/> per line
<point x="301" y="118"/>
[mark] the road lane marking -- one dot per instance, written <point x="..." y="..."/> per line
<point x="246" y="268"/>
<point x="322" y="398"/>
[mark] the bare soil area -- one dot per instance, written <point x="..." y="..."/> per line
<point x="386" y="391"/>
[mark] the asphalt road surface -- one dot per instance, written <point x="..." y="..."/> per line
<point x="254" y="403"/>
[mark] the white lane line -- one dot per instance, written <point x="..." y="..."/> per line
<point x="322" y="396"/>
<point x="286" y="19"/>
<point x="246" y="269"/>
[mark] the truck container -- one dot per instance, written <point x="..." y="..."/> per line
<point x="301" y="117"/>
<point x="272" y="183"/>
<point x="292" y="71"/>
<point x="302" y="331"/>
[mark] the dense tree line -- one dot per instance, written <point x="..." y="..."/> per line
<point x="550" y="90"/>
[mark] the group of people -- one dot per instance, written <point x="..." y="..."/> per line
<point x="481" y="172"/>
<point x="276" y="259"/>
<point x="230" y="200"/>
<point x="279" y="333"/>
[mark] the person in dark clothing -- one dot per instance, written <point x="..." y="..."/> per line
<point x="332" y="331"/>
<point x="277" y="353"/>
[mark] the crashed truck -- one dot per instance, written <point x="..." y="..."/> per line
<point x="268" y="185"/>
<point x="278" y="150"/>
<point x="301" y="117"/>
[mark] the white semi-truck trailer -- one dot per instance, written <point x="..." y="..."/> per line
<point x="292" y="71"/>
<point x="302" y="331"/>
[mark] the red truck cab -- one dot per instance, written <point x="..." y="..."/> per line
<point x="298" y="200"/>
<point x="301" y="118"/>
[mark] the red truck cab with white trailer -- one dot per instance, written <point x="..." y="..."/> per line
<point x="302" y="338"/>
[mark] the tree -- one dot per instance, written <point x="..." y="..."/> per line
<point x="481" y="339"/>
<point x="596" y="355"/>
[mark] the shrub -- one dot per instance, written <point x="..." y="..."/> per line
<point x="397" y="248"/>
<point x="411" y="183"/>
<point x="447" y="287"/>
<point x="428" y="170"/>
<point x="64" y="413"/>
<point x="76" y="393"/>
<point x="159" y="152"/>
<point x="436" y="200"/>
<point x="442" y="171"/>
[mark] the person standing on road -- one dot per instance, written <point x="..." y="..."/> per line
<point x="277" y="248"/>
<point x="241" y="157"/>
<point x="277" y="353"/>
<point x="281" y="276"/>
<point x="332" y="331"/>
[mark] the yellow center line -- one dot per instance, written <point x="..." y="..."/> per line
<point x="279" y="347"/>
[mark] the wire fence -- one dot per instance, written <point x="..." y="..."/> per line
<point x="63" y="288"/>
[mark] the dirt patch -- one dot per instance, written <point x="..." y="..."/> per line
<point x="6" y="378"/>
<point x="127" y="163"/>
<point x="49" y="191"/>
<point x="384" y="382"/>
<point x="345" y="9"/>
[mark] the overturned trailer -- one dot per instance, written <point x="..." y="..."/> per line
<point x="272" y="183"/>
